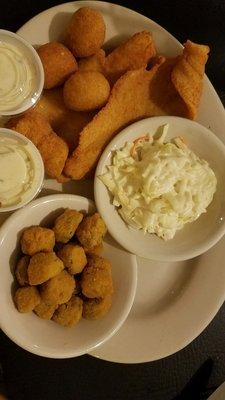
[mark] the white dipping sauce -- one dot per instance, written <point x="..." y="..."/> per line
<point x="20" y="172"/>
<point x="17" y="76"/>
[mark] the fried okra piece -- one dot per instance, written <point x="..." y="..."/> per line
<point x="96" y="308"/>
<point x="44" y="310"/>
<point x="70" y="313"/>
<point x="27" y="298"/>
<point x="96" y="279"/>
<point x="91" y="231"/>
<point x="58" y="290"/>
<point x="66" y="225"/>
<point x="36" y="239"/>
<point x="73" y="257"/>
<point x="95" y="251"/>
<point x="21" y="271"/>
<point x="43" y="266"/>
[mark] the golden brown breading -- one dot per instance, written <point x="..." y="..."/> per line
<point x="59" y="289"/>
<point x="66" y="224"/>
<point x="73" y="257"/>
<point x="70" y="313"/>
<point x="44" y="310"/>
<point x="43" y="266"/>
<point x="135" y="53"/>
<point x="36" y="239"/>
<point x="21" y="271"/>
<point x="27" y="298"/>
<point x="91" y="231"/>
<point x="96" y="308"/>
<point x="96" y="279"/>
<point x="53" y="149"/>
<point x="85" y="34"/>
<point x="86" y="91"/>
<point x="58" y="63"/>
<point x="94" y="251"/>
<point x="93" y="63"/>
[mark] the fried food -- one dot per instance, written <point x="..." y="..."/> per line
<point x="96" y="279"/>
<point x="96" y="308"/>
<point x="91" y="231"/>
<point x="43" y="266"/>
<point x="93" y="63"/>
<point x="53" y="149"/>
<point x="66" y="224"/>
<point x="36" y="239"/>
<point x="69" y="314"/>
<point x="66" y="123"/>
<point x="27" y="298"/>
<point x="44" y="310"/>
<point x="85" y="34"/>
<point x="86" y="91"/>
<point x="139" y="94"/>
<point x="73" y="257"/>
<point x="58" y="63"/>
<point x="94" y="251"/>
<point x="21" y="271"/>
<point x="135" y="53"/>
<point x="59" y="289"/>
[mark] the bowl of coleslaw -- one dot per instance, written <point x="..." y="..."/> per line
<point x="159" y="186"/>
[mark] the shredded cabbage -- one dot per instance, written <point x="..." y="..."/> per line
<point x="158" y="186"/>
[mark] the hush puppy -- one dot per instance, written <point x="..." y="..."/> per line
<point x="86" y="91"/>
<point x="58" y="63"/>
<point x="66" y="225"/>
<point x="69" y="314"/>
<point x="96" y="279"/>
<point x="26" y="299"/>
<point x="36" y="239"/>
<point x="86" y="32"/>
<point x="21" y="271"/>
<point x="73" y="257"/>
<point x="59" y="289"/>
<point x="43" y="266"/>
<point x="93" y="63"/>
<point x="44" y="310"/>
<point x="91" y="231"/>
<point x="96" y="308"/>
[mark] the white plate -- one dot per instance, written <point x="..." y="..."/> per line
<point x="174" y="301"/>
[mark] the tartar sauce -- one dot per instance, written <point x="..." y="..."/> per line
<point x="159" y="186"/>
<point x="17" y="76"/>
<point x="21" y="171"/>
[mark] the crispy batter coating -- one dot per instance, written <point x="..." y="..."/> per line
<point x="27" y="298"/>
<point x="133" y="54"/>
<point x="44" y="266"/>
<point x="96" y="308"/>
<point x="69" y="314"/>
<point x="58" y="63"/>
<point x="53" y="149"/>
<point x="96" y="279"/>
<point x="58" y="290"/>
<point x="86" y="91"/>
<point x="66" y="225"/>
<point x="44" y="310"/>
<point x="85" y="34"/>
<point x="21" y="271"/>
<point x="73" y="257"/>
<point x="91" y="231"/>
<point x="93" y="63"/>
<point x="36" y="239"/>
<point x="95" y="251"/>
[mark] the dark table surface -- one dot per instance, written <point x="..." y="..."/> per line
<point x="29" y="377"/>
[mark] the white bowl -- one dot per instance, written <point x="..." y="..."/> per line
<point x="37" y="161"/>
<point x="195" y="238"/>
<point x="46" y="338"/>
<point x="34" y="59"/>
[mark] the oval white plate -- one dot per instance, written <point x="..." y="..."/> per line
<point x="174" y="301"/>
